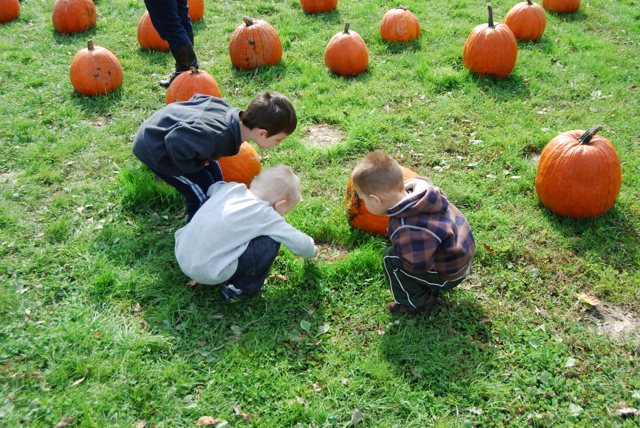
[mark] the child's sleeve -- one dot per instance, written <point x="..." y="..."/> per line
<point x="298" y="242"/>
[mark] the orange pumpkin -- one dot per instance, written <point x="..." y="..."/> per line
<point x="527" y="20"/>
<point x="561" y="6"/>
<point x="9" y="10"/>
<point x="579" y="174"/>
<point x="358" y="215"/>
<point x="318" y="6"/>
<point x="346" y="53"/>
<point x="490" y="49"/>
<point x="253" y="44"/>
<point x="189" y="83"/>
<point x="148" y="36"/>
<point x="241" y="167"/>
<point x="196" y="9"/>
<point x="95" y="71"/>
<point x="399" y="25"/>
<point x="73" y="16"/>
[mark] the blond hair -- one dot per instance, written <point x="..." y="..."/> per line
<point x="378" y="172"/>
<point x="277" y="182"/>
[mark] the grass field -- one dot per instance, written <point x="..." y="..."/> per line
<point x="97" y="323"/>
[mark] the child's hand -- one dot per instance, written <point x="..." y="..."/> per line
<point x="206" y="163"/>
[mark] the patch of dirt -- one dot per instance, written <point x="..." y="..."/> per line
<point x="616" y="322"/>
<point x="324" y="135"/>
<point x="331" y="252"/>
<point x="535" y="158"/>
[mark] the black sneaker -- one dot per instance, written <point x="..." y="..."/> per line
<point x="429" y="308"/>
<point x="231" y="294"/>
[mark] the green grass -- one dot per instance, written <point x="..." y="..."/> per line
<point x="90" y="290"/>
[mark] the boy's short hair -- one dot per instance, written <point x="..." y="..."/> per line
<point x="378" y="172"/>
<point x="271" y="111"/>
<point x="278" y="182"/>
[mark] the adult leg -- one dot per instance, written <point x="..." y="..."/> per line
<point x="193" y="187"/>
<point x="253" y="267"/>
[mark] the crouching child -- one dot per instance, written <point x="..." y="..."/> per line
<point x="432" y="243"/>
<point x="235" y="236"/>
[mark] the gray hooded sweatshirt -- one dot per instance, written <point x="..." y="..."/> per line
<point x="208" y="247"/>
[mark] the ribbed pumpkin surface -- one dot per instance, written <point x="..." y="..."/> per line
<point x="253" y="44"/>
<point x="527" y="21"/>
<point x="95" y="71"/>
<point x="73" y="16"/>
<point x="318" y="6"/>
<point x="196" y="10"/>
<point x="241" y="167"/>
<point x="189" y="83"/>
<point x="9" y="10"/>
<point x="148" y="36"/>
<point x="346" y="53"/>
<point x="399" y="25"/>
<point x="561" y="6"/>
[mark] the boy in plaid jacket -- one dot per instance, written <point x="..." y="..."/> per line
<point x="432" y="240"/>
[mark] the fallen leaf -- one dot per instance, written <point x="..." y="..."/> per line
<point x="625" y="412"/>
<point x="201" y="343"/>
<point x="137" y="309"/>
<point x="345" y="382"/>
<point x="192" y="283"/>
<point x="478" y="204"/>
<point x="236" y="329"/>
<point x="206" y="420"/>
<point x="180" y="215"/>
<point x="356" y="417"/>
<point x="141" y="424"/>
<point x="317" y="387"/>
<point x="574" y="239"/>
<point x="145" y="324"/>
<point x="589" y="300"/>
<point x="488" y="249"/>
<point x="79" y="381"/>
<point x="299" y="400"/>
<point x="280" y="277"/>
<point x="416" y="374"/>
<point x="64" y="422"/>
<point x="96" y="334"/>
<point x="380" y="332"/>
<point x="476" y="411"/>
<point x="575" y="410"/>
<point x="237" y="411"/>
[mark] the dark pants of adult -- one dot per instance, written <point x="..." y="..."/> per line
<point x="408" y="288"/>
<point x="254" y="265"/>
<point x="171" y="19"/>
<point x="194" y="186"/>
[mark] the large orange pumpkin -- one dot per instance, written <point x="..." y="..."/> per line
<point x="490" y="49"/>
<point x="73" y="16"/>
<point x="148" y="36"/>
<point x="318" y="6"/>
<point x="579" y="174"/>
<point x="95" y="71"/>
<point x="253" y="44"/>
<point x="241" y="167"/>
<point x="189" y="83"/>
<point x="561" y="6"/>
<point x="9" y="10"/>
<point x="358" y="215"/>
<point x="346" y="53"/>
<point x="196" y="9"/>
<point x="527" y="20"/>
<point x="399" y="25"/>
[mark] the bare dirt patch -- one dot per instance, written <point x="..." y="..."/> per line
<point x="616" y="322"/>
<point x="324" y="136"/>
<point x="332" y="252"/>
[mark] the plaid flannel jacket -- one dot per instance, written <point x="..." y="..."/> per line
<point x="429" y="232"/>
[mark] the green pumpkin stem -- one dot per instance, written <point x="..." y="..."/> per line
<point x="247" y="21"/>
<point x="490" y="17"/>
<point x="346" y="28"/>
<point x="90" y="45"/>
<point x="588" y="135"/>
<point x="194" y="70"/>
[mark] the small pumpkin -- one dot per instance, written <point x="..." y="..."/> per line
<point x="358" y="215"/>
<point x="318" y="6"/>
<point x="253" y="44"/>
<point x="95" y="71"/>
<point x="189" y="83"/>
<point x="491" y="50"/>
<point x="579" y="174"/>
<point x="148" y="36"/>
<point x="346" y="53"/>
<point x="196" y="9"/>
<point x="242" y="167"/>
<point x="73" y="16"/>
<point x="561" y="6"/>
<point x="9" y="10"/>
<point x="527" y="21"/>
<point x="399" y="25"/>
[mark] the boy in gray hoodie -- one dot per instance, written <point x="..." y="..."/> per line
<point x="235" y="236"/>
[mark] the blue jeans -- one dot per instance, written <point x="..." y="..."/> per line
<point x="171" y="20"/>
<point x="194" y="186"/>
<point x="254" y="265"/>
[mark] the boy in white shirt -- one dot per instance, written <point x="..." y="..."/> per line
<point x="235" y="236"/>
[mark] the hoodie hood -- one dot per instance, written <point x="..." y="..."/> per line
<point x="423" y="197"/>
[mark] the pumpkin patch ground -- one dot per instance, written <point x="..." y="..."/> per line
<point x="99" y="327"/>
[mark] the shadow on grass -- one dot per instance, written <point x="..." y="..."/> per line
<point x="395" y="48"/>
<point x="510" y="88"/>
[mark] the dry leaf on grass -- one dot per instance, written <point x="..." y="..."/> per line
<point x="345" y="382"/>
<point x="192" y="283"/>
<point x="317" y="387"/>
<point x="237" y="411"/>
<point x="206" y="420"/>
<point x="201" y="343"/>
<point x="63" y="423"/>
<point x="141" y="424"/>
<point x="280" y="277"/>
<point x="625" y="412"/>
<point x="589" y="300"/>
<point x="79" y="381"/>
<point x="356" y="417"/>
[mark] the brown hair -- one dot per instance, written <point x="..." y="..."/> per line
<point x="378" y="172"/>
<point x="271" y="111"/>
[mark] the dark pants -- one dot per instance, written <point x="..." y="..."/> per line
<point x="408" y="288"/>
<point x="254" y="265"/>
<point x="171" y="20"/>
<point x="194" y="186"/>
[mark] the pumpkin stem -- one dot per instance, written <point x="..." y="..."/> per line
<point x="90" y="45"/>
<point x="194" y="70"/>
<point x="490" y="16"/>
<point x="247" y="21"/>
<point x="529" y="1"/>
<point x="588" y="135"/>
<point x="346" y="28"/>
